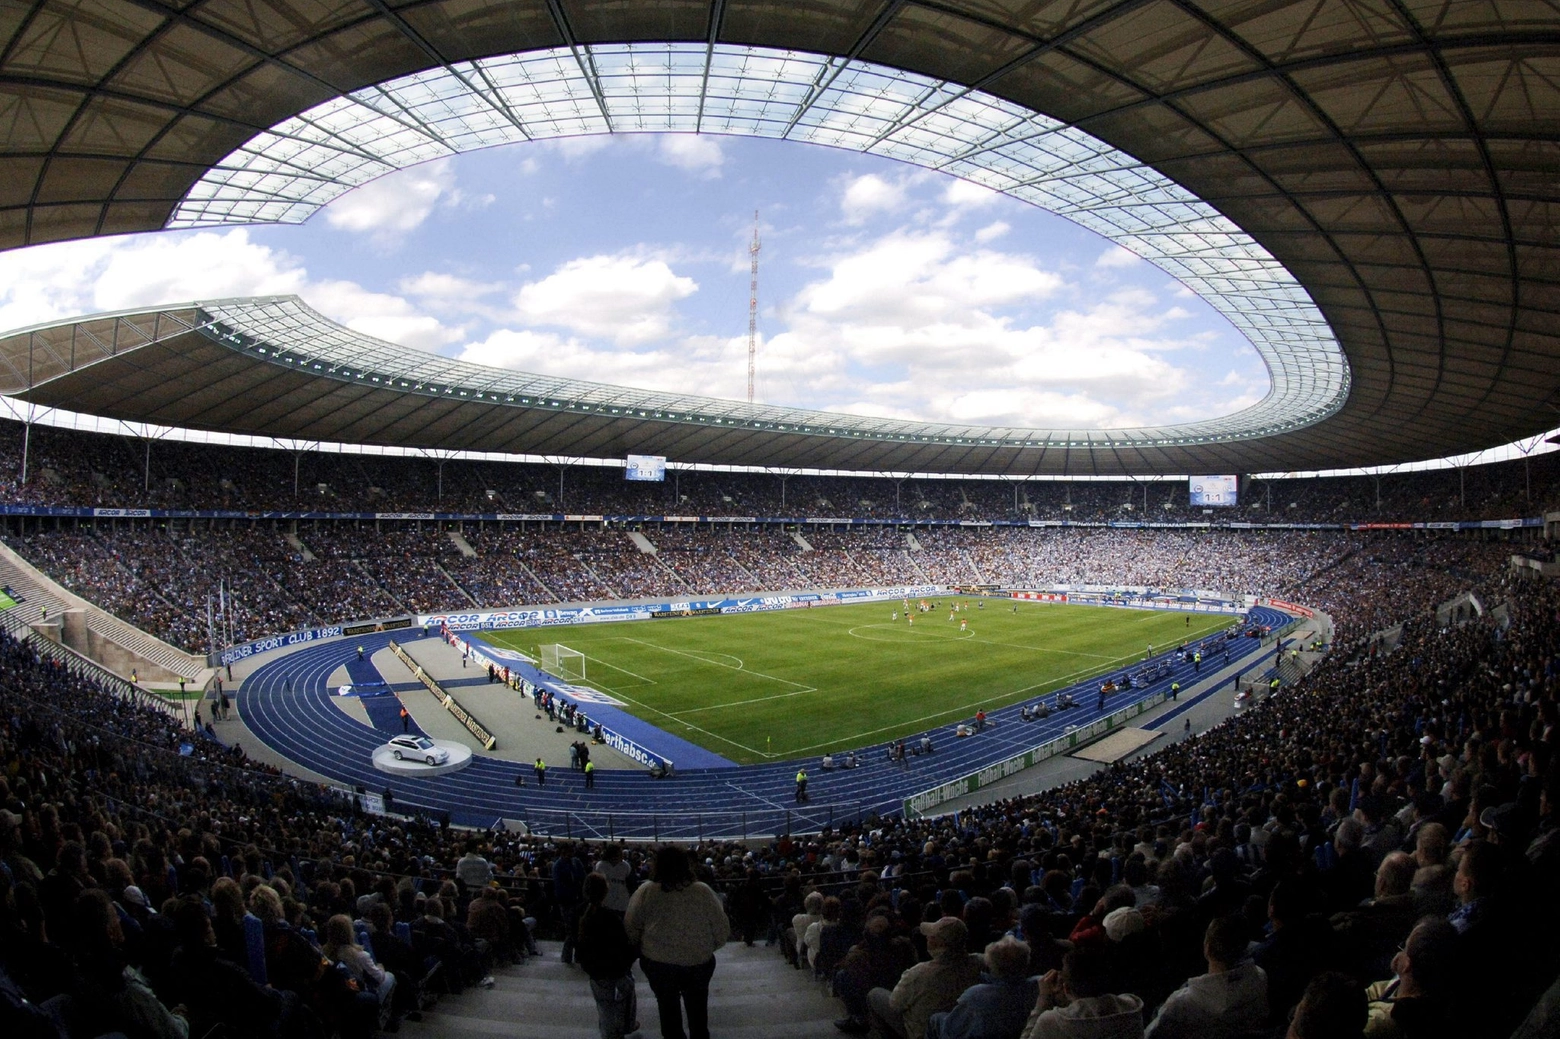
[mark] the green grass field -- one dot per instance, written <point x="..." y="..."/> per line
<point x="760" y="686"/>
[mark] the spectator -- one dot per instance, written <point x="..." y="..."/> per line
<point x="607" y="957"/>
<point x="1422" y="1000"/>
<point x="1228" y="1001"/>
<point x="927" y="988"/>
<point x="1332" y="1007"/>
<point x="677" y="924"/>
<point x="216" y="988"/>
<point x="373" y="980"/>
<point x="997" y="1006"/>
<point x="111" y="995"/>
<point x="473" y="870"/>
<point x="1076" y="1003"/>
<point x="876" y="962"/>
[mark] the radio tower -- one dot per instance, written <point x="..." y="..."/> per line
<point x="753" y="306"/>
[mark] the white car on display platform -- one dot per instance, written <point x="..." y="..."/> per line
<point x="418" y="747"/>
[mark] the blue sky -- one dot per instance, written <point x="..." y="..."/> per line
<point x="884" y="289"/>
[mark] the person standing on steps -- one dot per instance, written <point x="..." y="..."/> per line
<point x="568" y="874"/>
<point x="606" y="954"/>
<point x="678" y="924"/>
<point x="541" y="772"/>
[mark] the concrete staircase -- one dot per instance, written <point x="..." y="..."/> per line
<point x="754" y="995"/>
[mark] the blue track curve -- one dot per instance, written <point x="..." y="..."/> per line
<point x="304" y="726"/>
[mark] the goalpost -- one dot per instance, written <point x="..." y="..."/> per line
<point x="565" y="663"/>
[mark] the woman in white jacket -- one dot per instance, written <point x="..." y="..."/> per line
<point x="677" y="923"/>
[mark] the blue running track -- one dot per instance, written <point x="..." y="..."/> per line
<point x="376" y="696"/>
<point x="307" y="728"/>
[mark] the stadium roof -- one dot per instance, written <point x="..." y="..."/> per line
<point x="1395" y="161"/>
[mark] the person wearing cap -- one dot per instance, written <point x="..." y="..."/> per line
<point x="1228" y="1001"/>
<point x="996" y="1007"/>
<point x="926" y="988"/>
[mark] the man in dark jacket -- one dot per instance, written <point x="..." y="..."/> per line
<point x="568" y="874"/>
<point x="607" y="956"/>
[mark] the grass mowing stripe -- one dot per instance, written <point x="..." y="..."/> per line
<point x="859" y="674"/>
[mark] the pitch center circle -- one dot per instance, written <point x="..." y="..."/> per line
<point x="904" y="633"/>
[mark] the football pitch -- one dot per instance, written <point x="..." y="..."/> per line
<point x="759" y="687"/>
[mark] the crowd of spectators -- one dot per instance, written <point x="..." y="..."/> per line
<point x="71" y="468"/>
<point x="1390" y="819"/>
<point x="263" y="581"/>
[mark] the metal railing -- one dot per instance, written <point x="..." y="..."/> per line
<point x="686" y="825"/>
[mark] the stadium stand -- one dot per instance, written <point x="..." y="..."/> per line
<point x="73" y="468"/>
<point x="1285" y="823"/>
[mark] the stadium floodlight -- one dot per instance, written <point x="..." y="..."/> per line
<point x="562" y="662"/>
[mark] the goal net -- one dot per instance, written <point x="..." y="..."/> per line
<point x="563" y="662"/>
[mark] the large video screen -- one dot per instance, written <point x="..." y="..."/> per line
<point x="1213" y="490"/>
<point x="645" y="468"/>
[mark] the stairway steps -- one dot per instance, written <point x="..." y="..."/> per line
<point x="754" y="995"/>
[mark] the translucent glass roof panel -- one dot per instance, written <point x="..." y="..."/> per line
<point x="285" y="175"/>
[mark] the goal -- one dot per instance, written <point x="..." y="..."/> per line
<point x="565" y="663"/>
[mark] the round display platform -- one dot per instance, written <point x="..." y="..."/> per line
<point x="460" y="757"/>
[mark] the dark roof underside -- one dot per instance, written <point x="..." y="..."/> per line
<point x="1398" y="157"/>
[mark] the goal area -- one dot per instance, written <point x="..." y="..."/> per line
<point x="562" y="662"/>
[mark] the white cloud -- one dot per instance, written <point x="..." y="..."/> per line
<point x="967" y="193"/>
<point x="715" y="365"/>
<point x="991" y="232"/>
<point x="70" y="279"/>
<point x="73" y="279"/>
<point x="912" y="326"/>
<point x="380" y="315"/>
<point x="1116" y="257"/>
<point x="446" y="288"/>
<point x="869" y="195"/>
<point x="625" y="298"/>
<point x="395" y="203"/>
<point x="695" y="153"/>
<point x="575" y="148"/>
<point x="920" y="275"/>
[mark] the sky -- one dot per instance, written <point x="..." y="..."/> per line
<point x="884" y="289"/>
